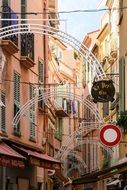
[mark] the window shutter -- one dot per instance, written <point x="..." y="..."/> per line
<point x="32" y="126"/>
<point x="120" y="10"/>
<point x="3" y="113"/>
<point x="32" y="114"/>
<point x="16" y="99"/>
<point x="41" y="103"/>
<point x="122" y="84"/>
<point x="17" y="88"/>
<point x="41" y="71"/>
<point x="23" y="9"/>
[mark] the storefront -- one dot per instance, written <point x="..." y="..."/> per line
<point x="9" y="159"/>
<point x="99" y="179"/>
<point x="23" y="168"/>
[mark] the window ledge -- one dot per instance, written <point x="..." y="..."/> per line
<point x="3" y="133"/>
<point x="17" y="133"/>
<point x="32" y="139"/>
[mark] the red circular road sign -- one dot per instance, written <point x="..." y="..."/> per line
<point x="110" y="135"/>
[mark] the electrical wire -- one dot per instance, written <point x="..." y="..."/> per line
<point x="66" y="12"/>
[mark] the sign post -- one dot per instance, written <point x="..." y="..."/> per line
<point x="110" y="135"/>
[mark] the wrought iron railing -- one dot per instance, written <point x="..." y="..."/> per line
<point x="27" y="45"/>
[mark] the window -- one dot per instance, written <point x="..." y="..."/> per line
<point x="58" y="53"/>
<point x="32" y="114"/>
<point x="23" y="9"/>
<point x="27" y="45"/>
<point x="5" y="3"/>
<point x="16" y="98"/>
<point x="7" y="14"/>
<point x="59" y="126"/>
<point x="41" y="103"/>
<point x="120" y="10"/>
<point x="78" y="81"/>
<point x="41" y="80"/>
<point x="41" y="70"/>
<point x="2" y="112"/>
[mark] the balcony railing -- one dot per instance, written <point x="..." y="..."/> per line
<point x="27" y="45"/>
<point x="27" y="50"/>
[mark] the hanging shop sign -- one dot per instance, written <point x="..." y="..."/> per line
<point x="103" y="91"/>
<point x="110" y="135"/>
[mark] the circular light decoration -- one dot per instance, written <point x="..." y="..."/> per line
<point x="110" y="135"/>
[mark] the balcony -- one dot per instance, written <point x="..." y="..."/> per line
<point x="27" y="50"/>
<point x="26" y="62"/>
<point x="60" y="112"/>
<point x="9" y="46"/>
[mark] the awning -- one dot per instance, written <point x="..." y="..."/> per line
<point x="115" y="182"/>
<point x="9" y="157"/>
<point x="101" y="174"/>
<point x="39" y="159"/>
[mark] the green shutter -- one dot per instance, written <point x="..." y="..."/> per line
<point x="17" y="88"/>
<point x="41" y="71"/>
<point x="122" y="84"/>
<point x="16" y="99"/>
<point x="32" y="114"/>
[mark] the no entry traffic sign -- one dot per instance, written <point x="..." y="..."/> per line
<point x="110" y="135"/>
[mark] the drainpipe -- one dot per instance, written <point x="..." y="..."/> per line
<point x="45" y="44"/>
